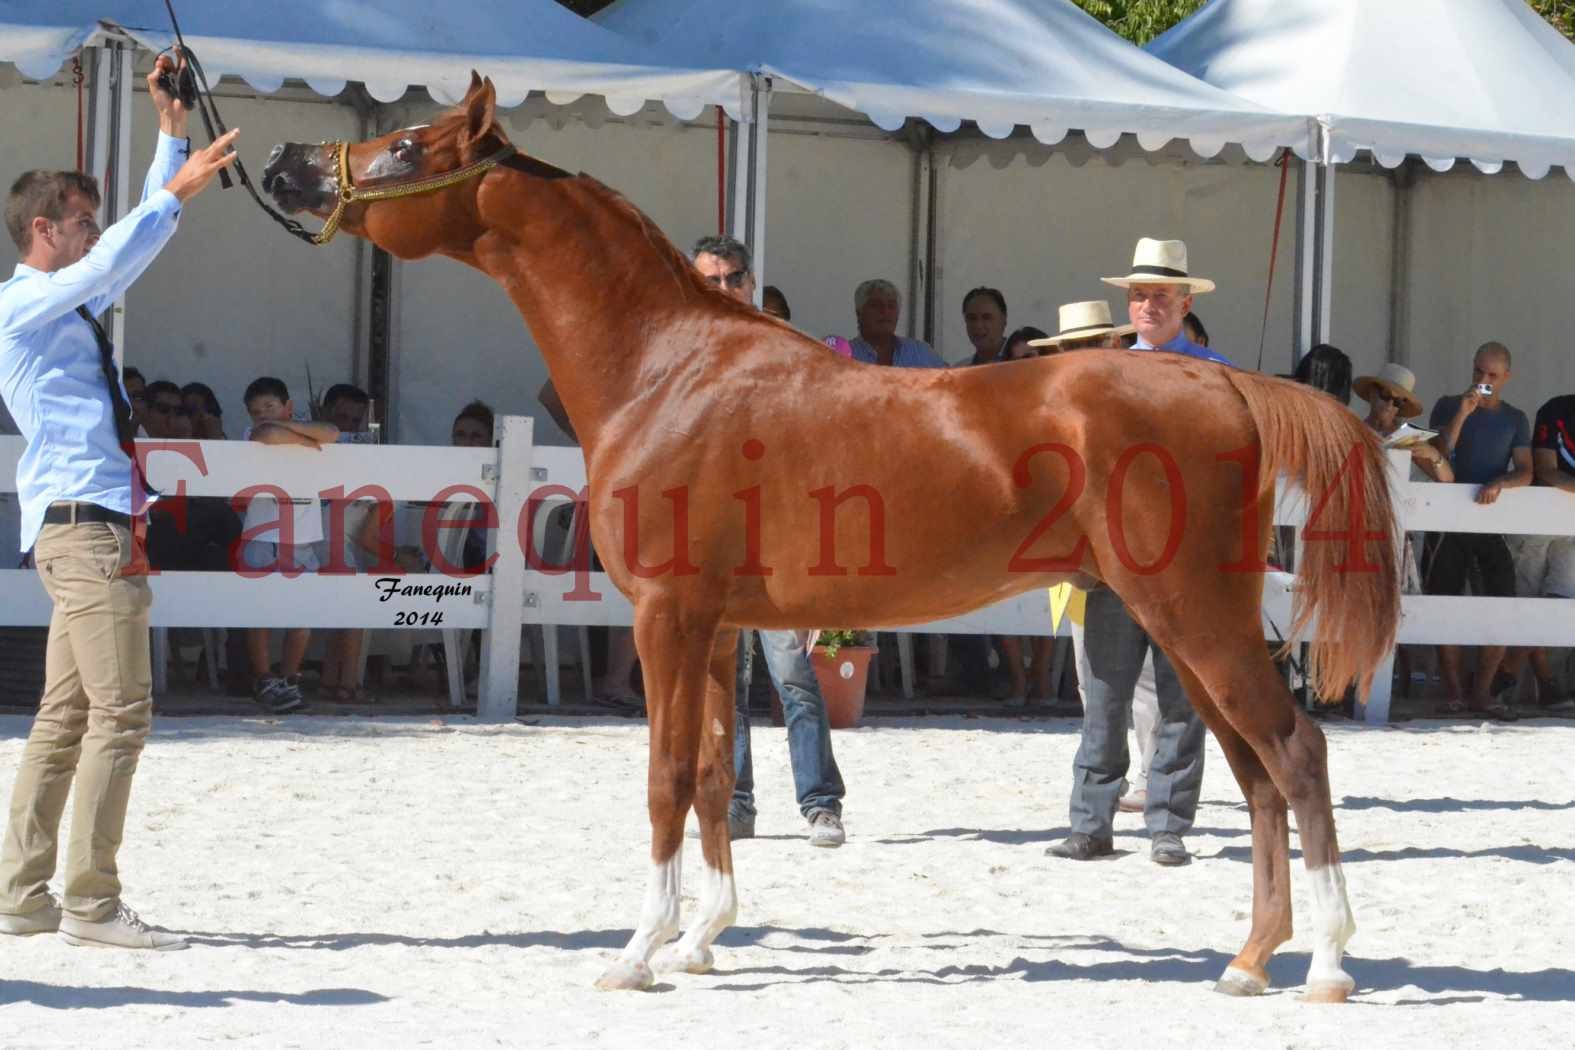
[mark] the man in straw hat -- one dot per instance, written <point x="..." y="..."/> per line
<point x="1085" y="326"/>
<point x="1110" y="645"/>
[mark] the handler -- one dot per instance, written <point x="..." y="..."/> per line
<point x="79" y="491"/>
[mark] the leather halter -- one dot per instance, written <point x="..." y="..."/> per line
<point x="349" y="193"/>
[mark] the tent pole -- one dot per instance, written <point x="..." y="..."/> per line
<point x="1326" y="215"/>
<point x="1402" y="183"/>
<point x="110" y="150"/>
<point x="1306" y="257"/>
<point x="124" y="57"/>
<point x="762" y="129"/>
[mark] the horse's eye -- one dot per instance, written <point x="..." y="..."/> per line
<point x="405" y="150"/>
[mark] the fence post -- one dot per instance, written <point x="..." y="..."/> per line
<point x="498" y="698"/>
<point x="1374" y="707"/>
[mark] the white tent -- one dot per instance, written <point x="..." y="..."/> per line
<point x="1487" y="80"/>
<point x="1484" y="79"/>
<point x="1041" y="63"/>
<point x="389" y="45"/>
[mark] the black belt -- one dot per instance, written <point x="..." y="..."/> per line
<point x="83" y="514"/>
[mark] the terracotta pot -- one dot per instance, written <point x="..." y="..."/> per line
<point x="842" y="682"/>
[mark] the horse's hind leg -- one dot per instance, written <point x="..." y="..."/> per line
<point x="674" y="651"/>
<point x="713" y="793"/>
<point x="1248" y="974"/>
<point x="1254" y="699"/>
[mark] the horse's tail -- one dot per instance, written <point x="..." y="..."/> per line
<point x="1348" y="578"/>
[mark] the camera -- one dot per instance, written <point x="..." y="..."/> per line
<point x="181" y="84"/>
<point x="1485" y="389"/>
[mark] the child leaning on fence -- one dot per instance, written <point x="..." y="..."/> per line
<point x="276" y="539"/>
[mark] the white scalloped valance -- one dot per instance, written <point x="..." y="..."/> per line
<point x="1003" y="64"/>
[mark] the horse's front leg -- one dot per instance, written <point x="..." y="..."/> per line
<point x="713" y="794"/>
<point x="675" y="645"/>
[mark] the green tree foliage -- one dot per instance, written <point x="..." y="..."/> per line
<point x="1142" y="20"/>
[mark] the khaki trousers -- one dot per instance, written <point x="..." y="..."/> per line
<point x="92" y="720"/>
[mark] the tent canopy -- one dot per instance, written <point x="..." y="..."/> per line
<point x="1041" y="63"/>
<point x="1484" y="79"/>
<point x="388" y="45"/>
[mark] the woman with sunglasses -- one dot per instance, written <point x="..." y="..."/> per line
<point x="1390" y="402"/>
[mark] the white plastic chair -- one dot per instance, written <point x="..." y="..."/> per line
<point x="211" y="648"/>
<point x="549" y="632"/>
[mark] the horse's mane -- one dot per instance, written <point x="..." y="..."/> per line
<point x="678" y="265"/>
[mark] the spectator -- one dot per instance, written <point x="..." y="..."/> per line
<point x="1328" y="369"/>
<point x="1084" y="326"/>
<point x="207" y="417"/>
<point x="1390" y="402"/>
<point x="1545" y="565"/>
<point x="294" y="548"/>
<point x="346" y="407"/>
<point x="1109" y="643"/>
<point x="725" y="265"/>
<point x="473" y="426"/>
<point x="878" y="306"/>
<point x="1193" y="325"/>
<point x="984" y="315"/>
<point x="773" y="302"/>
<point x="163" y="402"/>
<point x="1487" y="442"/>
<point x="136" y="387"/>
<point x="815" y="774"/>
<point x="1020" y="344"/>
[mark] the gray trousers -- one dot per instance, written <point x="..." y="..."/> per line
<point x="1110" y="648"/>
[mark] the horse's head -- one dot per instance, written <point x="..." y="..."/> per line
<point x="411" y="192"/>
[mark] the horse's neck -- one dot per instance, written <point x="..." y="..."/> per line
<point x="589" y="274"/>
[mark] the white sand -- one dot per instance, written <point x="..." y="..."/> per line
<point x="381" y="884"/>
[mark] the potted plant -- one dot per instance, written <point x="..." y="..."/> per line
<point x="841" y="659"/>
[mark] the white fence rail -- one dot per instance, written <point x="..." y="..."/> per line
<point x="515" y="473"/>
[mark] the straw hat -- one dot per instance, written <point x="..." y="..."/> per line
<point x="1161" y="262"/>
<point x="1084" y="321"/>
<point x="1396" y="381"/>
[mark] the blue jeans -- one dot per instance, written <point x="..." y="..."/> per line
<point x="815" y="773"/>
<point x="1110" y="648"/>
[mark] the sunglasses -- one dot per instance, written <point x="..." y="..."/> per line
<point x="165" y="409"/>
<point x="1391" y="399"/>
<point x="734" y="280"/>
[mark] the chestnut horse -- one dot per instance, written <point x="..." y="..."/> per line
<point x="741" y="475"/>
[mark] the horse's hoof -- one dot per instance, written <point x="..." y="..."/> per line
<point x="1238" y="982"/>
<point x="626" y="976"/>
<point x="672" y="959"/>
<point x="1335" y="991"/>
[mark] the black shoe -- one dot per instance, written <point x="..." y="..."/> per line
<point x="1078" y="846"/>
<point x="1168" y="849"/>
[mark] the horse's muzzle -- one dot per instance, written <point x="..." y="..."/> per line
<point x="299" y="177"/>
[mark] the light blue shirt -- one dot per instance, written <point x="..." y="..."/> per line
<point x="50" y="374"/>
<point x="910" y="353"/>
<point x="1182" y="345"/>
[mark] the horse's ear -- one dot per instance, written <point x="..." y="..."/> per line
<point x="480" y="113"/>
<point x="475" y="83"/>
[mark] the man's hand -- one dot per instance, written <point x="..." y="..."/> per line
<point x="1468" y="402"/>
<point x="1489" y="493"/>
<point x="172" y="113"/>
<point x="200" y="168"/>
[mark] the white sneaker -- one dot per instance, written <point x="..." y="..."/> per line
<point x="825" y="829"/>
<point x="119" y="929"/>
<point x="39" y="920"/>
